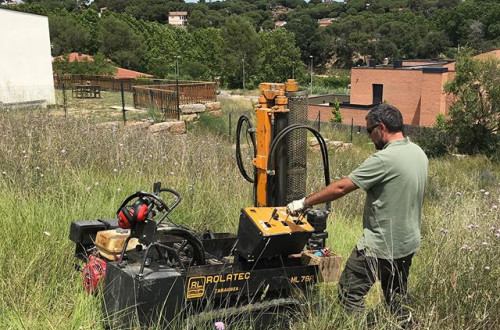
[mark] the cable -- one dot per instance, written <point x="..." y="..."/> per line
<point x="322" y="144"/>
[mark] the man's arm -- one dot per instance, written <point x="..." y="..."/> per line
<point x="333" y="191"/>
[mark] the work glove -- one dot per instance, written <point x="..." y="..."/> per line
<point x="296" y="207"/>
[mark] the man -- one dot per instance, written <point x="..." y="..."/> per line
<point x="394" y="179"/>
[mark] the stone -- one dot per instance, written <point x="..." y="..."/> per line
<point x="313" y="142"/>
<point x="348" y="146"/>
<point x="190" y="118"/>
<point x="316" y="148"/>
<point x="137" y="125"/>
<point x="192" y="108"/>
<point x="336" y="144"/>
<point x="213" y="106"/>
<point x="216" y="113"/>
<point x="176" y="127"/>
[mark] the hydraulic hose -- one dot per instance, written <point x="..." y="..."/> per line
<point x="322" y="144"/>
<point x="198" y="250"/>
<point x="241" y="120"/>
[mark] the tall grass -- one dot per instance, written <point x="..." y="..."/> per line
<point x="54" y="170"/>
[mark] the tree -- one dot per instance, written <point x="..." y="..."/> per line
<point x="269" y="25"/>
<point x="279" y="55"/>
<point x="122" y="44"/>
<point x="475" y="113"/>
<point x="304" y="28"/>
<point x="89" y="19"/>
<point x="198" y="20"/>
<point x="433" y="44"/>
<point x="68" y="35"/>
<point x="205" y="54"/>
<point x="468" y="21"/>
<point x="240" y="46"/>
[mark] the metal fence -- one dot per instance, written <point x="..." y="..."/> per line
<point x="166" y="98"/>
<point x="163" y="100"/>
<point x="163" y="95"/>
<point x="107" y="83"/>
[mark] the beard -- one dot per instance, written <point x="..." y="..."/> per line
<point x="379" y="144"/>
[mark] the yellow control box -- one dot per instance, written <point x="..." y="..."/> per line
<point x="265" y="232"/>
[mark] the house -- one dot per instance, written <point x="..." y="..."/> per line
<point x="326" y="21"/>
<point x="25" y="60"/>
<point x="11" y="3"/>
<point x="278" y="10"/>
<point x="278" y="24"/>
<point x="415" y="87"/>
<point x="177" y="18"/>
<point x="120" y="72"/>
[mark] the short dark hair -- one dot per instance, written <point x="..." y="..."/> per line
<point x="388" y="115"/>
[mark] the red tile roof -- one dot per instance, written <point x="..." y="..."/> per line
<point x="79" y="57"/>
<point x="120" y="73"/>
<point x="126" y="73"/>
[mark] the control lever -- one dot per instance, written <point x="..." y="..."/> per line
<point x="274" y="215"/>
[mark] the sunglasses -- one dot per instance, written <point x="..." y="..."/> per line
<point x="370" y="129"/>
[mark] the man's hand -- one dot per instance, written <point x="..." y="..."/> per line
<point x="296" y="207"/>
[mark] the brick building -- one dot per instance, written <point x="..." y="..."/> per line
<point x="415" y="87"/>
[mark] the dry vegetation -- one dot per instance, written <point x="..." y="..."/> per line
<point x="54" y="170"/>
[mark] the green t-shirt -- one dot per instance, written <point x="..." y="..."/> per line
<point x="394" y="179"/>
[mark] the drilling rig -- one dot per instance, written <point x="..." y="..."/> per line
<point x="153" y="272"/>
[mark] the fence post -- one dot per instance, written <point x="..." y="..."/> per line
<point x="123" y="103"/>
<point x="352" y="127"/>
<point x="230" y="127"/>
<point x="150" y="95"/>
<point x="319" y="121"/>
<point x="64" y="100"/>
<point x="177" y="97"/>
<point x="134" y="97"/>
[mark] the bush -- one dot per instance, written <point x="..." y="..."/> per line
<point x="474" y="115"/>
<point x="433" y="141"/>
<point x="214" y="124"/>
<point x="337" y="116"/>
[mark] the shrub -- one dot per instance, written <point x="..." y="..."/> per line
<point x="337" y="116"/>
<point x="474" y="116"/>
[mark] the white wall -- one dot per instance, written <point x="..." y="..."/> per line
<point x="25" y="59"/>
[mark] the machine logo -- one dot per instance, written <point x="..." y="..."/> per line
<point x="196" y="287"/>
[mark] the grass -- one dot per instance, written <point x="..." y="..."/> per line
<point x="54" y="170"/>
<point x="98" y="110"/>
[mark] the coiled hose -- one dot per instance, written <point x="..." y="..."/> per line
<point x="244" y="119"/>
<point x="322" y="144"/>
<point x="198" y="250"/>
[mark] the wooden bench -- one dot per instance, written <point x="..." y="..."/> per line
<point x="86" y="91"/>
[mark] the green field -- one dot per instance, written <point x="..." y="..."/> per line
<point x="54" y="170"/>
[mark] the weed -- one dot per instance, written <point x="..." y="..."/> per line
<point x="54" y="170"/>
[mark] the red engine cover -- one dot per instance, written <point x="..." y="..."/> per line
<point x="93" y="274"/>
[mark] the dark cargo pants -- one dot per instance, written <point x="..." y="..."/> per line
<point x="361" y="272"/>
